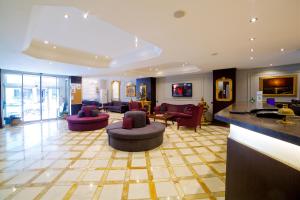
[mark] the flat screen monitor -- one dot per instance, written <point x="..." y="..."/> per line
<point x="182" y="90"/>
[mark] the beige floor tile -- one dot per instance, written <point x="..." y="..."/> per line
<point x="166" y="190"/>
<point x="138" y="174"/>
<point x="84" y="192"/>
<point x="61" y="164"/>
<point x="5" y="193"/>
<point x="47" y="176"/>
<point x="214" y="184"/>
<point x="6" y="175"/>
<point x="186" y="151"/>
<point x="157" y="162"/>
<point x="56" y="192"/>
<point x="28" y="193"/>
<point x="70" y="176"/>
<point x="81" y="164"/>
<point x="41" y="164"/>
<point x="176" y="161"/>
<point x="220" y="167"/>
<point x="138" y="191"/>
<point x="191" y="187"/>
<point x="93" y="175"/>
<point x="202" y="170"/>
<point x="111" y="192"/>
<point x="182" y="171"/>
<point x="193" y="159"/>
<point x="119" y="163"/>
<point x="22" y="177"/>
<point x="138" y="162"/>
<point x="160" y="173"/>
<point x="115" y="175"/>
<point x="100" y="163"/>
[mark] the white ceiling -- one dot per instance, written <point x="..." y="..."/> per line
<point x="166" y="45"/>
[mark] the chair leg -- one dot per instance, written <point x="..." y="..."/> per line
<point x="177" y="126"/>
<point x="196" y="129"/>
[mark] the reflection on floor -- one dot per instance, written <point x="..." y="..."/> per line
<point x="46" y="161"/>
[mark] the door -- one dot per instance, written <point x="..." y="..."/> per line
<point x="49" y="97"/>
<point x="31" y="97"/>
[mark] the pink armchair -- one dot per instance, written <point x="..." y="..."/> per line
<point x="194" y="120"/>
<point x="136" y="106"/>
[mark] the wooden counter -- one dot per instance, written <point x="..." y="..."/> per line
<point x="263" y="156"/>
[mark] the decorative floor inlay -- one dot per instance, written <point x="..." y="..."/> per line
<point x="47" y="161"/>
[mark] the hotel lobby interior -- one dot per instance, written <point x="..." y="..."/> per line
<point x="167" y="99"/>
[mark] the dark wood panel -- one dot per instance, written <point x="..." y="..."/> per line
<point x="217" y="74"/>
<point x="253" y="176"/>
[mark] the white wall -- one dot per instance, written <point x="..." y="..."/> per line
<point x="202" y="87"/>
<point x="89" y="85"/>
<point x="248" y="81"/>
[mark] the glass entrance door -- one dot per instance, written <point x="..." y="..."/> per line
<point x="12" y="95"/>
<point x="31" y="97"/>
<point x="50" y="94"/>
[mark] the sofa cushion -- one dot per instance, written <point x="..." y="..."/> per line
<point x="163" y="107"/>
<point x="188" y="110"/>
<point x="172" y="108"/>
<point x="127" y="123"/>
<point x="178" y="114"/>
<point x="139" y="118"/>
<point x="149" y="131"/>
<point x="87" y="110"/>
<point x="94" y="113"/>
<point x="80" y="114"/>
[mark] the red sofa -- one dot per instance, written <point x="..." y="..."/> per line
<point x="187" y="115"/>
<point x="194" y="121"/>
<point x="136" y="106"/>
<point x="87" y="123"/>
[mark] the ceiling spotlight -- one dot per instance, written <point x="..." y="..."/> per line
<point x="50" y="63"/>
<point x="282" y="49"/>
<point x="251" y="58"/>
<point x="179" y="14"/>
<point x="96" y="57"/>
<point x="252" y="39"/>
<point x="46" y="42"/>
<point x="251" y="49"/>
<point x="271" y="64"/>
<point x="85" y="15"/>
<point x="253" y="19"/>
<point x="66" y="16"/>
<point x="54" y="47"/>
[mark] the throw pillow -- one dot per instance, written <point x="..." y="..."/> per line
<point x="94" y="113"/>
<point x="81" y="114"/>
<point x="188" y="110"/>
<point x="163" y="108"/>
<point x="127" y="123"/>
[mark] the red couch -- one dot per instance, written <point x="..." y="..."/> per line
<point x="194" y="121"/>
<point x="87" y="123"/>
<point x="136" y="106"/>
<point x="187" y="115"/>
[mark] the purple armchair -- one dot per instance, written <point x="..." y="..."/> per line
<point x="136" y="106"/>
<point x="194" y="120"/>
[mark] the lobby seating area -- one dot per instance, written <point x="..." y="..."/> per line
<point x="150" y="100"/>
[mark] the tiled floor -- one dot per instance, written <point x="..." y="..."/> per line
<point x="46" y="161"/>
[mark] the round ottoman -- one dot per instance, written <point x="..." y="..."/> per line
<point x="87" y="123"/>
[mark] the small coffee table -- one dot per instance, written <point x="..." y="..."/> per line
<point x="165" y="117"/>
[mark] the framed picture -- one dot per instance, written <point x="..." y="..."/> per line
<point x="278" y="86"/>
<point x="130" y="90"/>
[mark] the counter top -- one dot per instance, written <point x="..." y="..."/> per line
<point x="267" y="126"/>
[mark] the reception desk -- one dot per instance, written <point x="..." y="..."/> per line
<point x="263" y="156"/>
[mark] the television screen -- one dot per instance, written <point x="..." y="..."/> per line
<point x="182" y="89"/>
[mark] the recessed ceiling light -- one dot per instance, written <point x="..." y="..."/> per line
<point x="85" y="15"/>
<point x="50" y="63"/>
<point x="252" y="39"/>
<point x="271" y="64"/>
<point x="251" y="58"/>
<point x="251" y="49"/>
<point x="179" y="14"/>
<point x="214" y="54"/>
<point x="54" y="47"/>
<point x="46" y="42"/>
<point x="253" y="19"/>
<point x="107" y="57"/>
<point x="66" y="16"/>
<point x="96" y="57"/>
<point x="282" y="49"/>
